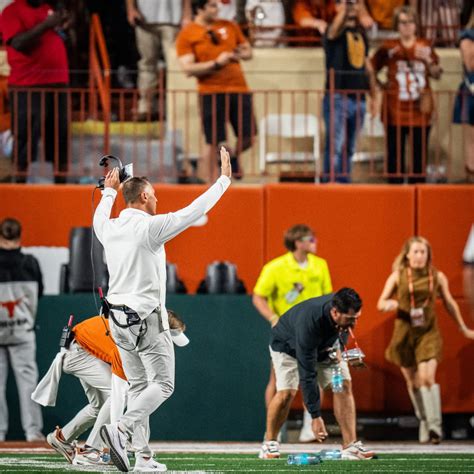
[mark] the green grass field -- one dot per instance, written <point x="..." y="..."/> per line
<point x="439" y="463"/>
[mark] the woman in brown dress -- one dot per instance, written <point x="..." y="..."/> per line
<point x="416" y="344"/>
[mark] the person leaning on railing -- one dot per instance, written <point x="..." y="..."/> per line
<point x="408" y="99"/>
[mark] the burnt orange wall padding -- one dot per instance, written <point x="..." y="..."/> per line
<point x="445" y="215"/>
<point x="359" y="230"/>
<point x="234" y="230"/>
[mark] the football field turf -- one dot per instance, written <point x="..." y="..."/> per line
<point x="235" y="462"/>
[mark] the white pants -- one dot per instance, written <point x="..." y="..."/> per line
<point x="151" y="41"/>
<point x="150" y="370"/>
<point x="95" y="377"/>
<point x="22" y="358"/>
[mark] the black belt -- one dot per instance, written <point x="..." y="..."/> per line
<point x="120" y="307"/>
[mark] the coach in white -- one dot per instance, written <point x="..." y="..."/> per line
<point x="134" y="250"/>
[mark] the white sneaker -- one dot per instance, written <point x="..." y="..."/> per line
<point x="356" y="451"/>
<point x="91" y="457"/>
<point x="116" y="441"/>
<point x="62" y="447"/>
<point x="269" y="450"/>
<point x="148" y="465"/>
<point x="306" y="433"/>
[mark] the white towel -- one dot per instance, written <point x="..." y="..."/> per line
<point x="47" y="390"/>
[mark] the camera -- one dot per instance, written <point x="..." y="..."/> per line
<point x="354" y="357"/>
<point x="125" y="172"/>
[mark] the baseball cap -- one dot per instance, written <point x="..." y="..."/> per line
<point x="179" y="338"/>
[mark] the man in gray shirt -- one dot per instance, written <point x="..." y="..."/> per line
<point x="134" y="250"/>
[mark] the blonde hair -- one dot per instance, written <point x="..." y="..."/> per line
<point x="401" y="261"/>
<point x="408" y="11"/>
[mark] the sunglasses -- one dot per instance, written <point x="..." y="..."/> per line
<point x="213" y="36"/>
<point x="308" y="238"/>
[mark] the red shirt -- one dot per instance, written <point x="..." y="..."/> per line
<point x="46" y="62"/>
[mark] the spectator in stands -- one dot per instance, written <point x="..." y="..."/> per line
<point x="265" y="13"/>
<point x="37" y="56"/>
<point x="317" y="14"/>
<point x="156" y="25"/>
<point x="348" y="77"/>
<point x="286" y="281"/>
<point x="211" y="50"/>
<point x="119" y="38"/>
<point x="304" y="346"/>
<point x="408" y="102"/>
<point x="381" y="12"/>
<point x="464" y="105"/>
<point x="439" y="20"/>
<point x="21" y="285"/>
<point x="411" y="291"/>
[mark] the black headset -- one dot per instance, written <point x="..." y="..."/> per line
<point x="123" y="173"/>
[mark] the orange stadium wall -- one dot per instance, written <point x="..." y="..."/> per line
<point x="360" y="230"/>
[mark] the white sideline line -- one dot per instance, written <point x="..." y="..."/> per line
<point x="190" y="447"/>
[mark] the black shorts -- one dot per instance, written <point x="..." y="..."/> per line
<point x="236" y="108"/>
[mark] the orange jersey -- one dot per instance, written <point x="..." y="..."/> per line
<point x="320" y="9"/>
<point x="382" y="11"/>
<point x="407" y="79"/>
<point x="195" y="39"/>
<point x="91" y="336"/>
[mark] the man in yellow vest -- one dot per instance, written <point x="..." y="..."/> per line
<point x="286" y="281"/>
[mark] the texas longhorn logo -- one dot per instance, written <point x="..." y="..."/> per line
<point x="10" y="306"/>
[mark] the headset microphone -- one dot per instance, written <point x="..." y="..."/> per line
<point x="125" y="172"/>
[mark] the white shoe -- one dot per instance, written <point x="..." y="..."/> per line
<point x="91" y="457"/>
<point x="116" y="441"/>
<point x="269" y="450"/>
<point x="356" y="451"/>
<point x="62" y="447"/>
<point x="148" y="465"/>
<point x="306" y="433"/>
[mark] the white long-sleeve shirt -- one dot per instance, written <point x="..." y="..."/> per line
<point x="134" y="247"/>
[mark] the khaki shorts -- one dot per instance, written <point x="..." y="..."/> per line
<point x="287" y="376"/>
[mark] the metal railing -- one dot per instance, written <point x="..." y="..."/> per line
<point x="287" y="138"/>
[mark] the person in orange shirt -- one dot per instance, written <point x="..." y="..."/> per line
<point x="381" y="12"/>
<point x="317" y="14"/>
<point x="408" y="103"/>
<point x="210" y="49"/>
<point x="92" y="357"/>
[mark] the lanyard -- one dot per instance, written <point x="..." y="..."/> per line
<point x="353" y="337"/>
<point x="412" y="291"/>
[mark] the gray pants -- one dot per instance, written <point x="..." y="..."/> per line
<point x="22" y="358"/>
<point x="95" y="377"/>
<point x="150" y="370"/>
<point x="152" y="40"/>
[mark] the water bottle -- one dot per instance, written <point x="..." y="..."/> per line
<point x="330" y="454"/>
<point x="337" y="380"/>
<point x="303" y="459"/>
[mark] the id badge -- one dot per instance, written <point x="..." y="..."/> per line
<point x="417" y="317"/>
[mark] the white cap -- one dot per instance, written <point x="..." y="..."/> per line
<point x="179" y="338"/>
